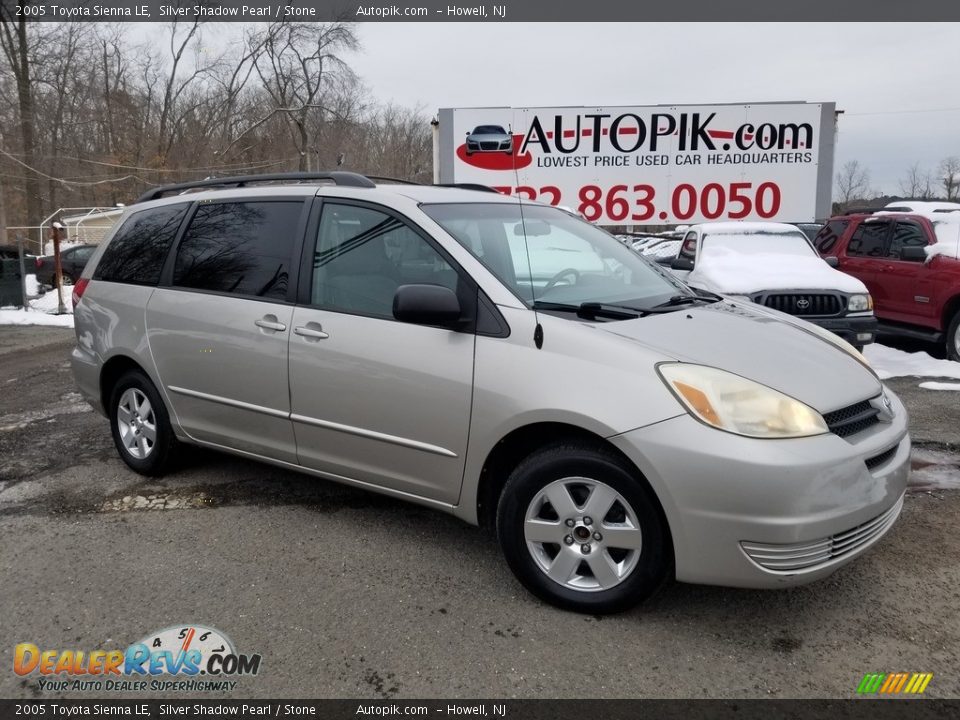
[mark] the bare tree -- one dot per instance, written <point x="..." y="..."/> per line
<point x="853" y="183"/>
<point x="917" y="184"/>
<point x="299" y="64"/>
<point x="950" y="172"/>
<point x="20" y="41"/>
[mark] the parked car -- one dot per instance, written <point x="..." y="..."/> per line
<point x="809" y="229"/>
<point x="489" y="138"/>
<point x="72" y="261"/>
<point x="615" y="427"/>
<point x="663" y="251"/>
<point x="773" y="264"/>
<point x="909" y="261"/>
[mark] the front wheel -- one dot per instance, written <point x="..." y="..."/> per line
<point x="582" y="531"/>
<point x="953" y="338"/>
<point x="140" y="424"/>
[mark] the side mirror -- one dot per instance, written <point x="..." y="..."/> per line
<point x="914" y="253"/>
<point x="427" y="305"/>
<point x="832" y="260"/>
<point x="468" y="132"/>
<point x="680" y="262"/>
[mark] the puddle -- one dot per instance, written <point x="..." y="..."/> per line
<point x="934" y="470"/>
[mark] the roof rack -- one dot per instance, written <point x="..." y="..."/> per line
<point x="346" y="179"/>
<point x="398" y="181"/>
<point x="469" y="186"/>
<point x="863" y="211"/>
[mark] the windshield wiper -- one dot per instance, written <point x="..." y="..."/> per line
<point x="592" y="310"/>
<point x="686" y="300"/>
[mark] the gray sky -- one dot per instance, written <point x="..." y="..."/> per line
<point x="898" y="83"/>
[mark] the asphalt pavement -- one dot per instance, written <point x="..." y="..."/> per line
<point x="348" y="594"/>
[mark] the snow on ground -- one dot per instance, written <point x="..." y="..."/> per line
<point x="42" y="310"/>
<point x="890" y="362"/>
<point x="940" y="386"/>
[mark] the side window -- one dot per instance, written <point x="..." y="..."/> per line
<point x="362" y="256"/>
<point x="906" y="234"/>
<point x="139" y="248"/>
<point x="243" y="248"/>
<point x="826" y="239"/>
<point x="869" y="240"/>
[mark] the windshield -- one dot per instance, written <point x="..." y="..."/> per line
<point x="948" y="238"/>
<point x="489" y="130"/>
<point x="547" y="255"/>
<point x="792" y="243"/>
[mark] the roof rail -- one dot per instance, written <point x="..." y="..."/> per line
<point x="346" y="179"/>
<point x="862" y="211"/>
<point x="469" y="186"/>
<point x="398" y="181"/>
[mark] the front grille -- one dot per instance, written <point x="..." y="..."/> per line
<point x="805" y="305"/>
<point x="878" y="460"/>
<point x="808" y="556"/>
<point x="489" y="145"/>
<point x="852" y="419"/>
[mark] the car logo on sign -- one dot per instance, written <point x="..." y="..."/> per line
<point x="803" y="303"/>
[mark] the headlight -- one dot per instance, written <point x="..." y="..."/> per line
<point x="740" y="406"/>
<point x="860" y="303"/>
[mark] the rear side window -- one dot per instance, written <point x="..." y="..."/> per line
<point x="242" y="248"/>
<point x="137" y="252"/>
<point x="829" y="234"/>
<point x="869" y="240"/>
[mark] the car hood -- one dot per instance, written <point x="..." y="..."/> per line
<point x="765" y="346"/>
<point x="741" y="274"/>
<point x="490" y="137"/>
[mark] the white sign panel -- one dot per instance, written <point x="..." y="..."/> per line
<point x="650" y="165"/>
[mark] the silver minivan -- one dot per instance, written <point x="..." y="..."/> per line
<point x="496" y="359"/>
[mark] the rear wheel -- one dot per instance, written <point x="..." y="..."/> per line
<point x="953" y="338"/>
<point x="582" y="531"/>
<point x="140" y="424"/>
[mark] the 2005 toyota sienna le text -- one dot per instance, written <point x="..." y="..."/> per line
<point x="502" y="361"/>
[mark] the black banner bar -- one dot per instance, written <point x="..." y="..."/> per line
<point x="867" y="709"/>
<point x="478" y="11"/>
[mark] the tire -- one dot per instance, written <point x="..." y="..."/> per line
<point x="132" y="423"/>
<point x="583" y="476"/>
<point x="953" y="338"/>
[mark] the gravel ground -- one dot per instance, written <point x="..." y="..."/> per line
<point x="349" y="594"/>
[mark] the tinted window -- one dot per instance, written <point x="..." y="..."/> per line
<point x="906" y="234"/>
<point x="869" y="239"/>
<point x="243" y="248"/>
<point x="137" y="252"/>
<point x="362" y="256"/>
<point x="826" y="239"/>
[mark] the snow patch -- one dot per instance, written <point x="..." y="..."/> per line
<point x="929" y="385"/>
<point x="889" y="362"/>
<point x="41" y="310"/>
<point x="732" y="272"/>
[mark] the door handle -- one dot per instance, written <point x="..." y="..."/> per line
<point x="270" y="322"/>
<point x="311" y="331"/>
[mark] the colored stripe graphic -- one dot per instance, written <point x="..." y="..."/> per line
<point x="894" y="683"/>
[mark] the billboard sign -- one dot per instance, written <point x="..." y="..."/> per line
<point x="650" y="165"/>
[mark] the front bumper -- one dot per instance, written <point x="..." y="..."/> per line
<point x="857" y="330"/>
<point x="756" y="513"/>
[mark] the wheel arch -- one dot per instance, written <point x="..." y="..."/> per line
<point x="520" y="442"/>
<point x="113" y="369"/>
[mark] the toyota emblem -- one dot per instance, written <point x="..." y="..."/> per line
<point x="803" y="303"/>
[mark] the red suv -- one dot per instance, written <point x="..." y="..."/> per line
<point x="916" y="293"/>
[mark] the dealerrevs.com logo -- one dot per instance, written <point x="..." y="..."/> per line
<point x="186" y="658"/>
